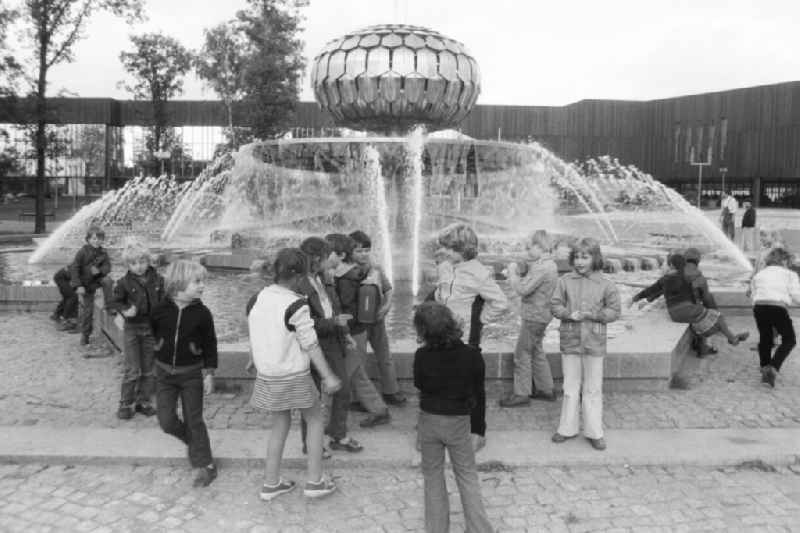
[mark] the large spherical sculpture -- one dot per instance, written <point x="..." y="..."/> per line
<point x="393" y="76"/>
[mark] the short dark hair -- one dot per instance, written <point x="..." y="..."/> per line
<point x="589" y="246"/>
<point x="361" y="238"/>
<point x="341" y="244"/>
<point x="692" y="255"/>
<point x="316" y="249"/>
<point x="676" y="260"/>
<point x="290" y="262"/>
<point x="95" y="230"/>
<point x="436" y="325"/>
<point x="777" y="257"/>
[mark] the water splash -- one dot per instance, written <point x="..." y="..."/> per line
<point x="414" y="149"/>
<point x="371" y="160"/>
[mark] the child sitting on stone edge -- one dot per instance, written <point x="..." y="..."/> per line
<point x="89" y="272"/>
<point x="136" y="294"/>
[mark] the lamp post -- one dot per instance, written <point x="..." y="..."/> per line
<point x="162" y="156"/>
<point x="699" y="165"/>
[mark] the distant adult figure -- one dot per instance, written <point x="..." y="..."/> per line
<point x="729" y="207"/>
<point x="749" y="227"/>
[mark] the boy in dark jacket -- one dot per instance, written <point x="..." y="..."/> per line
<point x="135" y="296"/>
<point x="89" y="272"/>
<point x="347" y="278"/>
<point x="186" y="357"/>
<point x="702" y="294"/>
<point x="67" y="308"/>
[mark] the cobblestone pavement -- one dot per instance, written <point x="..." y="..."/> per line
<point x="124" y="498"/>
<point x="46" y="381"/>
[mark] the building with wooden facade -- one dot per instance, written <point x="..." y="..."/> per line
<point x="750" y="136"/>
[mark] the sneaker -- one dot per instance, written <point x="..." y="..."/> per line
<point x="398" y="398"/>
<point x="268" y="492"/>
<point x="739" y="338"/>
<point x="347" y="444"/>
<point x="68" y="325"/>
<point x="125" y="413"/>
<point x="84" y="340"/>
<point x="764" y="374"/>
<point x="558" y="438"/>
<point x="55" y="317"/>
<point x="546" y="396"/>
<point x="319" y="489"/>
<point x="375" y="420"/>
<point x="598" y="444"/>
<point x="146" y="410"/>
<point x="771" y="373"/>
<point x="515" y="401"/>
<point x="205" y="476"/>
<point x="357" y="407"/>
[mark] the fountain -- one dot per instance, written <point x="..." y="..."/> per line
<point x="404" y="175"/>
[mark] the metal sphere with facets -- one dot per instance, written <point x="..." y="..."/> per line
<point x="392" y="76"/>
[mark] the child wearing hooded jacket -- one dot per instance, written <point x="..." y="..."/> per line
<point x="585" y="301"/>
<point x="186" y="358"/>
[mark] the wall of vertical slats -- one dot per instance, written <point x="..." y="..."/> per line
<point x="762" y="137"/>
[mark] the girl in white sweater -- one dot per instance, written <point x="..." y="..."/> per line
<point x="774" y="289"/>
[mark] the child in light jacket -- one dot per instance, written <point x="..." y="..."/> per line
<point x="773" y="289"/>
<point x="585" y="301"/>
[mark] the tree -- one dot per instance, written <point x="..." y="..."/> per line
<point x="275" y="63"/>
<point x="54" y="26"/>
<point x="9" y="76"/>
<point x="157" y="65"/>
<point x="222" y="64"/>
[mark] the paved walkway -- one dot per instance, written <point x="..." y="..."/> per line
<point x="104" y="499"/>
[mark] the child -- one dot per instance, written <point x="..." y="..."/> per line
<point x="469" y="290"/>
<point x="773" y="289"/>
<point x="682" y="304"/>
<point x="347" y="278"/>
<point x="284" y="346"/>
<point x="585" y="301"/>
<point x="449" y="375"/>
<point x="135" y="296"/>
<point x="186" y="357"/>
<point x="67" y="308"/>
<point x="88" y="272"/>
<point x="535" y="289"/>
<point x="331" y="328"/>
<point x="702" y="294"/>
<point x="561" y="251"/>
<point x="749" y="227"/>
<point x="376" y="331"/>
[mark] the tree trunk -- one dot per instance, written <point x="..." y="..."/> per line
<point x="41" y="140"/>
<point x="229" y="108"/>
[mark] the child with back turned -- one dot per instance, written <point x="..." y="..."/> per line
<point x="585" y="301"/>
<point x="136" y="295"/>
<point x="284" y="345"/>
<point x="449" y="375"/>
<point x="186" y="357"/>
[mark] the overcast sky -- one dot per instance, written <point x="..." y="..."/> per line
<point x="530" y="52"/>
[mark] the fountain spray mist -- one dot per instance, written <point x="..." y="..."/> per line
<point x="415" y="146"/>
<point x="372" y="166"/>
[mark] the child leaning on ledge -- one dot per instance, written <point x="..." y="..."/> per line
<point x="89" y="272"/>
<point x="135" y="296"/>
<point x="186" y="357"/>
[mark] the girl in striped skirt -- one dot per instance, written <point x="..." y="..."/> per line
<point x="283" y="346"/>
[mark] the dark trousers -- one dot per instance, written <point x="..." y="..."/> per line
<point x="86" y="305"/>
<point x="138" y="378"/>
<point x="192" y="429"/>
<point x="340" y="400"/>
<point x="771" y="318"/>
<point x="68" y="306"/>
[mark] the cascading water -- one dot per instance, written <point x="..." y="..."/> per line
<point x="372" y="167"/>
<point x="415" y="146"/>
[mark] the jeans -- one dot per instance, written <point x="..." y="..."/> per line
<point x="192" y="429"/>
<point x="138" y="379"/>
<point x="770" y="318"/>
<point x="583" y="392"/>
<point x="86" y="306"/>
<point x="363" y="389"/>
<point x="437" y="433"/>
<point x="379" y="340"/>
<point x="340" y="400"/>
<point x="530" y="359"/>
